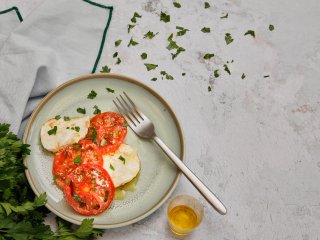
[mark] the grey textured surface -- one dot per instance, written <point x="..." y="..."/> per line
<point x="255" y="142"/>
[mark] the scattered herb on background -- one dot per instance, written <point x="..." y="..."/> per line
<point x="66" y="118"/>
<point x="205" y="30"/>
<point x="118" y="61"/>
<point x="166" y="75"/>
<point x="81" y="110"/>
<point x="77" y="160"/>
<point x="176" y="4"/>
<point x="111" y="167"/>
<point x="250" y="32"/>
<point x="117" y="43"/>
<point x="225" y="67"/>
<point x="53" y="131"/>
<point x="110" y="90"/>
<point x="132" y="43"/>
<point x="150" y="35"/>
<point x="105" y="69"/>
<point x="135" y="16"/>
<point x="115" y="55"/>
<point x="92" y="94"/>
<point x="173" y="45"/>
<point x="271" y="27"/>
<point x="225" y="16"/>
<point x="130" y="26"/>
<point x="206" y="5"/>
<point x="216" y="73"/>
<point x="183" y="74"/>
<point x="228" y="38"/>
<point x="209" y="89"/>
<point x="122" y="159"/>
<point x="96" y="110"/>
<point x="77" y="129"/>
<point x="164" y="17"/>
<point x="144" y="56"/>
<point x="208" y="56"/>
<point x="57" y="117"/>
<point x="182" y="31"/>
<point x="266" y="76"/>
<point x="150" y="66"/>
<point x="243" y="76"/>
<point x="154" y="79"/>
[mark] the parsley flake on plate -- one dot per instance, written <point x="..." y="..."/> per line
<point x="266" y="76"/>
<point x="77" y="129"/>
<point x="225" y="16"/>
<point x="57" y="117"/>
<point x="110" y="90"/>
<point x="154" y="79"/>
<point x="150" y="35"/>
<point x="92" y="94"/>
<point x="205" y="30"/>
<point x="81" y="110"/>
<point x="130" y="26"/>
<point x="66" y="118"/>
<point x="228" y="38"/>
<point x="208" y="55"/>
<point x="77" y="160"/>
<point x="132" y="43"/>
<point x="243" y="76"/>
<point x="183" y="74"/>
<point x="182" y="31"/>
<point x="122" y="159"/>
<point x="225" y="66"/>
<point x="209" y="89"/>
<point x="206" y="5"/>
<point x="150" y="66"/>
<point x="250" y="32"/>
<point x="164" y="17"/>
<point x="216" y="73"/>
<point x="93" y="133"/>
<point x="117" y="43"/>
<point x="173" y="45"/>
<point x="135" y="16"/>
<point x="271" y="27"/>
<point x="118" y="61"/>
<point x="105" y="69"/>
<point x="176" y="4"/>
<point x="53" y="130"/>
<point x="96" y="110"/>
<point x="111" y="167"/>
<point x="144" y="56"/>
<point x="115" y="55"/>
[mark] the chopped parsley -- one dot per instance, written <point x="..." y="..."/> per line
<point x="182" y="31"/>
<point x="93" y="134"/>
<point x="209" y="89"/>
<point x="225" y="16"/>
<point x="68" y="182"/>
<point x="132" y="43"/>
<point x="225" y="66"/>
<point x="53" y="130"/>
<point x="92" y="94"/>
<point x="115" y="55"/>
<point x="150" y="35"/>
<point x="250" y="32"/>
<point x="55" y="177"/>
<point x="176" y="4"/>
<point x="110" y="90"/>
<point x="122" y="159"/>
<point x="111" y="167"/>
<point x="173" y="45"/>
<point x="81" y="110"/>
<point x="135" y="16"/>
<point x="77" y="160"/>
<point x="208" y="56"/>
<point x="96" y="110"/>
<point x="150" y="66"/>
<point x="266" y="76"/>
<point x="144" y="56"/>
<point x="66" y="118"/>
<point x="125" y="124"/>
<point x="205" y="30"/>
<point x="271" y="27"/>
<point x="243" y="76"/>
<point x="105" y="69"/>
<point x="117" y="43"/>
<point x="154" y="79"/>
<point x="206" y="5"/>
<point x="77" y="129"/>
<point x="216" y="73"/>
<point x="57" y="117"/>
<point x="166" y="75"/>
<point x="118" y="61"/>
<point x="228" y="38"/>
<point x="130" y="26"/>
<point x="164" y="17"/>
<point x="183" y="74"/>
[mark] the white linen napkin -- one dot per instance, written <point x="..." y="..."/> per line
<point x="57" y="42"/>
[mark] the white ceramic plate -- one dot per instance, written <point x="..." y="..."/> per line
<point x="158" y="176"/>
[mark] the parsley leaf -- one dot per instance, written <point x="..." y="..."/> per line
<point x="105" y="69"/>
<point x="209" y="89"/>
<point x="117" y="43"/>
<point x="228" y="38"/>
<point x="208" y="56"/>
<point x="81" y="110"/>
<point x="225" y="16"/>
<point x="57" y="117"/>
<point x="225" y="66"/>
<point x="96" y="110"/>
<point x="164" y="17"/>
<point x="182" y="31"/>
<point x="66" y="118"/>
<point x="154" y="79"/>
<point x="115" y="55"/>
<point x="250" y="32"/>
<point x="176" y="4"/>
<point x="118" y="61"/>
<point x="216" y="73"/>
<point x="53" y="131"/>
<point x="132" y="43"/>
<point x="143" y="56"/>
<point x="130" y="26"/>
<point x="150" y="35"/>
<point x="77" y="160"/>
<point x="110" y="90"/>
<point x="266" y="76"/>
<point x="166" y="75"/>
<point x="77" y="129"/>
<point x="206" y="5"/>
<point x="122" y="159"/>
<point x="183" y="74"/>
<point x="93" y="134"/>
<point x="111" y="167"/>
<point x="150" y="66"/>
<point x="92" y="94"/>
<point x="135" y="16"/>
<point x="243" y="76"/>
<point x="205" y="30"/>
<point x="271" y="27"/>
<point x="173" y="45"/>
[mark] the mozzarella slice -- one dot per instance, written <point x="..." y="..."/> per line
<point x="123" y="165"/>
<point x="67" y="132"/>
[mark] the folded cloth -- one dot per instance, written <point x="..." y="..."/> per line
<point x="58" y="41"/>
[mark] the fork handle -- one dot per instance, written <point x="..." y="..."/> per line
<point x="203" y="189"/>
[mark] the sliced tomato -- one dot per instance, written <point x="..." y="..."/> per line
<point x="90" y="152"/>
<point x="108" y="131"/>
<point x="63" y="163"/>
<point x="89" y="189"/>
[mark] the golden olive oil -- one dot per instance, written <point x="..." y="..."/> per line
<point x="182" y="218"/>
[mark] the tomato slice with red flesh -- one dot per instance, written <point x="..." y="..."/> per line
<point x="89" y="189"/>
<point x="90" y="152"/>
<point x="108" y="131"/>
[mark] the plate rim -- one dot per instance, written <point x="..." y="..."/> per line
<point x="123" y="78"/>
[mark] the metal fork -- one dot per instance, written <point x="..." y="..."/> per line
<point x="144" y="128"/>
